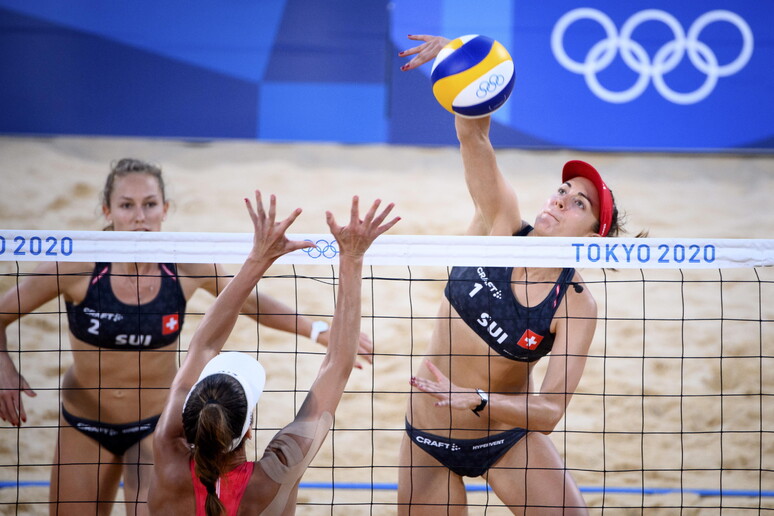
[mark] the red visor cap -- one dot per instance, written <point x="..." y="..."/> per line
<point x="577" y="168"/>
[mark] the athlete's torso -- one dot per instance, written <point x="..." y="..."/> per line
<point x="102" y="320"/>
<point x="484" y="299"/>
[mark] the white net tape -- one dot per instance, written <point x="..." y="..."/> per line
<point x="182" y="247"/>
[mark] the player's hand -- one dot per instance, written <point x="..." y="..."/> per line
<point x="365" y="348"/>
<point x="269" y="240"/>
<point x="12" y="384"/>
<point x="356" y="237"/>
<point x="423" y="53"/>
<point x="443" y="390"/>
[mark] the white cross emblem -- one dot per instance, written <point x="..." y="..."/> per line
<point x="171" y="323"/>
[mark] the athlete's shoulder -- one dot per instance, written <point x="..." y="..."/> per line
<point x="171" y="491"/>
<point x="61" y="268"/>
<point x="67" y="275"/>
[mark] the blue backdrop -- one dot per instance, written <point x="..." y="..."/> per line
<point x="596" y="75"/>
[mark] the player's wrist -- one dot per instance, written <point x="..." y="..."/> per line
<point x="318" y="327"/>
<point x="483" y="401"/>
<point x="352" y="256"/>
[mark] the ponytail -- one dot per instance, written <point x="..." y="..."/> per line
<point x="212" y="417"/>
<point x="213" y="439"/>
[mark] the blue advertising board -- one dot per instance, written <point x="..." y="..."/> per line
<point x="595" y="75"/>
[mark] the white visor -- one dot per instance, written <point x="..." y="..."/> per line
<point x="244" y="369"/>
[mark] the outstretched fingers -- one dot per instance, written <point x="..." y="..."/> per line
<point x="442" y="382"/>
<point x="433" y="389"/>
<point x="10" y="410"/>
<point x="258" y="214"/>
<point x="354" y="210"/>
<point x="250" y="210"/>
<point x="358" y="235"/>
<point x="381" y="228"/>
<point x="374" y="221"/>
<point x="423" y="53"/>
<point x="442" y="389"/>
<point x="283" y="225"/>
<point x="11" y="405"/>
<point x="332" y="224"/>
<point x="272" y="207"/>
<point x="415" y="50"/>
<point x="269" y="240"/>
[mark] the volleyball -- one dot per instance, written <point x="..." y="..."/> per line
<point x="472" y="76"/>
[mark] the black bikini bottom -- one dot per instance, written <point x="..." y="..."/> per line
<point x="114" y="438"/>
<point x="466" y="457"/>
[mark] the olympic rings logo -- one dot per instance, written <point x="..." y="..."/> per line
<point x="489" y="86"/>
<point x="322" y="248"/>
<point x="665" y="59"/>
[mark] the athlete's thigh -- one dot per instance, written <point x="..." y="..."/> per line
<point x="138" y="465"/>
<point x="531" y="479"/>
<point x="83" y="474"/>
<point x="425" y="486"/>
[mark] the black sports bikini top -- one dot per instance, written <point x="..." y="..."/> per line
<point x="484" y="299"/>
<point x="103" y="321"/>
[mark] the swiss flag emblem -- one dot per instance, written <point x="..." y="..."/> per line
<point x="170" y="324"/>
<point x="530" y="340"/>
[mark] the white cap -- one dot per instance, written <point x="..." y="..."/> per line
<point x="244" y="369"/>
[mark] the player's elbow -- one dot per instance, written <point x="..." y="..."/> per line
<point x="5" y="320"/>
<point x="545" y="418"/>
<point x="472" y="131"/>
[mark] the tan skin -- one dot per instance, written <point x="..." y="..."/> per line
<point x="529" y="478"/>
<point x="172" y="492"/>
<point x="101" y="384"/>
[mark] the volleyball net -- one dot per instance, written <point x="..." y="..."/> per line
<point x="675" y="411"/>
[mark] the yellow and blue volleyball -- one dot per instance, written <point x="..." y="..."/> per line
<point x="472" y="76"/>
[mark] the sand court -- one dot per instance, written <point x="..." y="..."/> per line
<point x="674" y="396"/>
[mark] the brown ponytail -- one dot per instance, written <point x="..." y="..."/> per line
<point x="212" y="418"/>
